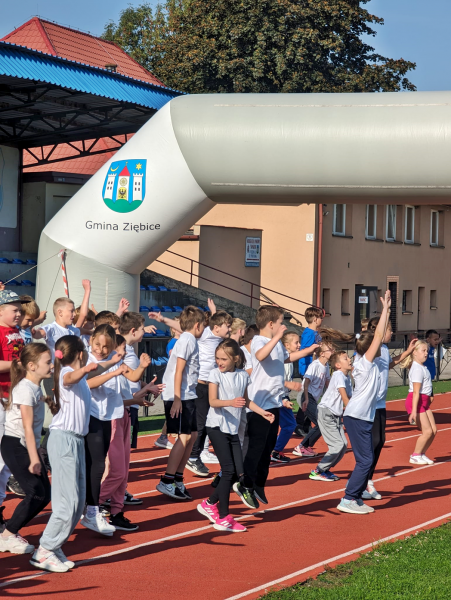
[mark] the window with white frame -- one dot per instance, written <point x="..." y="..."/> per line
<point x="434" y="227"/>
<point x="390" y="226"/>
<point x="371" y="221"/>
<point x="409" y="225"/>
<point x="339" y="219"/>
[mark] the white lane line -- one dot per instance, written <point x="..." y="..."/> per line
<point x="207" y="527"/>
<point x="148" y="459"/>
<point x="270" y="584"/>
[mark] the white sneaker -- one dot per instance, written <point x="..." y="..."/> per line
<point x="209" y="457"/>
<point x="98" y="523"/>
<point x="48" y="561"/>
<point x="418" y="460"/>
<point x="428" y="460"/>
<point x="163" y="442"/>
<point x="351" y="506"/>
<point x="371" y="493"/>
<point x="15" y="544"/>
<point x="63" y="558"/>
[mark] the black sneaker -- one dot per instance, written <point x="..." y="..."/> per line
<point x="14" y="487"/>
<point x="260" y="494"/>
<point x="130" y="500"/>
<point x="2" y="520"/>
<point x="299" y="432"/>
<point x="171" y="490"/>
<point x="105" y="510"/>
<point x="197" y="467"/>
<point x="121" y="522"/>
<point x="182" y="487"/>
<point x="246" y="494"/>
<point x="216" y="480"/>
<point x="279" y="458"/>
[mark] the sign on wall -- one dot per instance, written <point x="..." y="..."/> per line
<point x="253" y="252"/>
<point x="9" y="177"/>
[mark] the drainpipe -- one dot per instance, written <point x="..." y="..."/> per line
<point x="320" y="252"/>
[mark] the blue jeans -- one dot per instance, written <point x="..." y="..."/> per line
<point x="287" y="422"/>
<point x="361" y="436"/>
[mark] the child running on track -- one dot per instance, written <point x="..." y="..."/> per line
<point x="330" y="412"/>
<point x="24" y="420"/>
<point x="359" y="414"/>
<point x="179" y="395"/>
<point x="418" y="403"/>
<point x="316" y="380"/>
<point x="287" y="419"/>
<point x="228" y="397"/>
<point x="66" y="450"/>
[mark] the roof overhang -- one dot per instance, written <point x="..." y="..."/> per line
<point x="49" y="100"/>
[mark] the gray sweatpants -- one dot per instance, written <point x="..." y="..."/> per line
<point x="67" y="458"/>
<point x="333" y="432"/>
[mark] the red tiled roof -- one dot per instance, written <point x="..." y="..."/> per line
<point x="51" y="38"/>
<point x="86" y="165"/>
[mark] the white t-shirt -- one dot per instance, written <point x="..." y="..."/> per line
<point x="208" y="343"/>
<point x="332" y="398"/>
<point x="86" y="339"/>
<point x="363" y="402"/>
<point x="230" y="385"/>
<point x="131" y="360"/>
<point x="53" y="332"/>
<point x="420" y="374"/>
<point x="75" y="406"/>
<point x="248" y="357"/>
<point x="107" y="400"/>
<point x="188" y="349"/>
<point x="29" y="394"/>
<point x="266" y="388"/>
<point x="318" y="376"/>
<point x="288" y="368"/>
<point x="383" y="364"/>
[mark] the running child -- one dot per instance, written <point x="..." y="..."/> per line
<point x="228" y="397"/>
<point x="287" y="419"/>
<point x="179" y="395"/>
<point x="20" y="443"/>
<point x="360" y="411"/>
<point x="249" y="334"/>
<point x="66" y="451"/>
<point x="433" y="339"/>
<point x="163" y="441"/>
<point x="266" y="390"/>
<point x="330" y="413"/>
<point x="418" y="402"/>
<point x="316" y="380"/>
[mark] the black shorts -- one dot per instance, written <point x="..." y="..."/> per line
<point x="186" y="422"/>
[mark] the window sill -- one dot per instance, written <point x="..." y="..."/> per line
<point x="327" y="314"/>
<point x="433" y="307"/>
<point x="407" y="313"/>
<point x="412" y="243"/>
<point x="345" y="314"/>
<point x="436" y="246"/>
<point x="373" y="239"/>
<point x="393" y="242"/>
<point x="339" y="235"/>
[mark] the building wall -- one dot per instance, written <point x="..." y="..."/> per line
<point x="179" y="267"/>
<point x="421" y="269"/>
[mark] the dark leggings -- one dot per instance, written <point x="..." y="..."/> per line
<point x="36" y="487"/>
<point x="97" y="442"/>
<point x="202" y="408"/>
<point x="378" y="431"/>
<point x="228" y="451"/>
<point x="135" y="425"/>
<point x="262" y="439"/>
<point x="314" y="433"/>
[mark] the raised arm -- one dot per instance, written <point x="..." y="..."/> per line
<point x="266" y="350"/>
<point x="294" y="356"/>
<point x="136" y="374"/>
<point x="84" y="308"/>
<point x="397" y="359"/>
<point x="157" y="316"/>
<point x="123" y="307"/>
<point x="77" y="375"/>
<point x="96" y="382"/>
<point x="379" y="334"/>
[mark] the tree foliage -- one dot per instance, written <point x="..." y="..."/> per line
<point x="205" y="46"/>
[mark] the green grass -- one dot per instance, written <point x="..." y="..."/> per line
<point x="416" y="568"/>
<point x="154" y="423"/>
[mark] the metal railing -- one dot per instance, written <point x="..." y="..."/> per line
<point x="252" y="295"/>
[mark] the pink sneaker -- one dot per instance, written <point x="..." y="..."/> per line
<point x="301" y="451"/>
<point x="228" y="523"/>
<point x="209" y="510"/>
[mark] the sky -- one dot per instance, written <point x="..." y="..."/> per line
<point x="416" y="30"/>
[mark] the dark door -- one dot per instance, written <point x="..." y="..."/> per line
<point x="365" y="304"/>
<point x="393" y="287"/>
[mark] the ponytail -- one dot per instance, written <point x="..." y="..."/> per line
<point x="408" y="361"/>
<point x="30" y="354"/>
<point x="334" y="335"/>
<point x="67" y="349"/>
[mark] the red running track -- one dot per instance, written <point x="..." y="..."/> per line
<point x="176" y="553"/>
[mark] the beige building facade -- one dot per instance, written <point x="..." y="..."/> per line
<point x="365" y="249"/>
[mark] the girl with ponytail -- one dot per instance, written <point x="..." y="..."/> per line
<point x="66" y="449"/>
<point x="19" y="446"/>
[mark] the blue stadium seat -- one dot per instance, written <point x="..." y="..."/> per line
<point x="13" y="282"/>
<point x="27" y="282"/>
<point x="166" y="309"/>
<point x="156" y="362"/>
<point x="144" y="309"/>
<point x="142" y="287"/>
<point x="162" y="288"/>
<point x="155" y="309"/>
<point x="17" y="261"/>
<point x="30" y="261"/>
<point x="177" y="309"/>
<point x="152" y="288"/>
<point x="160" y="333"/>
<point x="173" y="289"/>
<point x="4" y="260"/>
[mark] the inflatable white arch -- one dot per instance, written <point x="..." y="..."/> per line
<point x="248" y="149"/>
